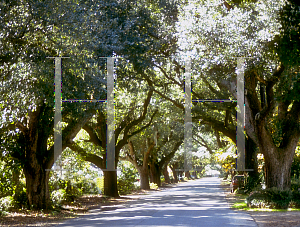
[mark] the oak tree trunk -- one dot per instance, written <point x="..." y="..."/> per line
<point x="278" y="161"/>
<point x="155" y="174"/>
<point x="195" y="172"/>
<point x="187" y="174"/>
<point x="37" y="162"/>
<point x="278" y="169"/>
<point x="166" y="174"/>
<point x="173" y="168"/>
<point x="144" y="178"/>
<point x="37" y="187"/>
<point x="111" y="184"/>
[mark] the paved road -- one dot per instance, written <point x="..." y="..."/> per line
<point x="195" y="203"/>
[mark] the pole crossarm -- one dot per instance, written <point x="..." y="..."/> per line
<point x="84" y="100"/>
<point x="213" y="100"/>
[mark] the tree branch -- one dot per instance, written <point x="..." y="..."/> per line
<point x="204" y="143"/>
<point x="270" y="93"/>
<point x="180" y="106"/>
<point x="93" y="136"/>
<point x="87" y="157"/>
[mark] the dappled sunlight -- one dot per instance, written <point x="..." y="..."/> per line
<point x="200" y="201"/>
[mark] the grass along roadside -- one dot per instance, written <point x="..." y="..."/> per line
<point x="238" y="202"/>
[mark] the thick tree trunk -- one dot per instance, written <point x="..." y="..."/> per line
<point x="278" y="155"/>
<point x="278" y="161"/>
<point x="144" y="178"/>
<point x="278" y="169"/>
<point x="36" y="162"/>
<point x="187" y="174"/>
<point x="166" y="175"/>
<point x="37" y="187"/>
<point x="110" y="184"/>
<point x="155" y="173"/>
<point x="173" y="168"/>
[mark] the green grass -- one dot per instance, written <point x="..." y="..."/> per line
<point x="240" y="204"/>
<point x="270" y="210"/>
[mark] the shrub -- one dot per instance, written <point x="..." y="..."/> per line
<point x="258" y="199"/>
<point x="6" y="203"/>
<point x="58" y="196"/>
<point x="20" y="198"/>
<point x="252" y="183"/>
<point x="153" y="186"/>
<point x="126" y="180"/>
<point x="100" y="184"/>
<point x="296" y="199"/>
<point x="73" y="192"/>
<point x="272" y="198"/>
<point x="295" y="184"/>
<point x="280" y="199"/>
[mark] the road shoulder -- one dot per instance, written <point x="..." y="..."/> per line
<point x="266" y="218"/>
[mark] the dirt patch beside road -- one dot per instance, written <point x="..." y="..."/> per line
<point x="276" y="219"/>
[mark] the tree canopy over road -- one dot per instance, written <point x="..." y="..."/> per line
<point x="151" y="41"/>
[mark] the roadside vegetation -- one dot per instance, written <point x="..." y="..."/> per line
<point x="253" y="196"/>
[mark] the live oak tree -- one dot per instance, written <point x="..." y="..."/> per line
<point x="273" y="111"/>
<point x="139" y="157"/>
<point x="128" y="124"/>
<point x="170" y="128"/>
<point x="151" y="151"/>
<point x="34" y="30"/>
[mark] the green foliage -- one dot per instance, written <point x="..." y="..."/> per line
<point x="58" y="196"/>
<point x="295" y="184"/>
<point x="296" y="199"/>
<point x="6" y="186"/>
<point x="153" y="186"/>
<point x="127" y="179"/>
<point x="6" y="203"/>
<point x="74" y="187"/>
<point x="252" y="183"/>
<point x="279" y="199"/>
<point x="78" y="179"/>
<point x="20" y="198"/>
<point x="100" y="184"/>
<point x="295" y="169"/>
<point x="272" y="198"/>
<point x="73" y="191"/>
<point x="288" y="46"/>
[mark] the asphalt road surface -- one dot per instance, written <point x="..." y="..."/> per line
<point x="194" y="203"/>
